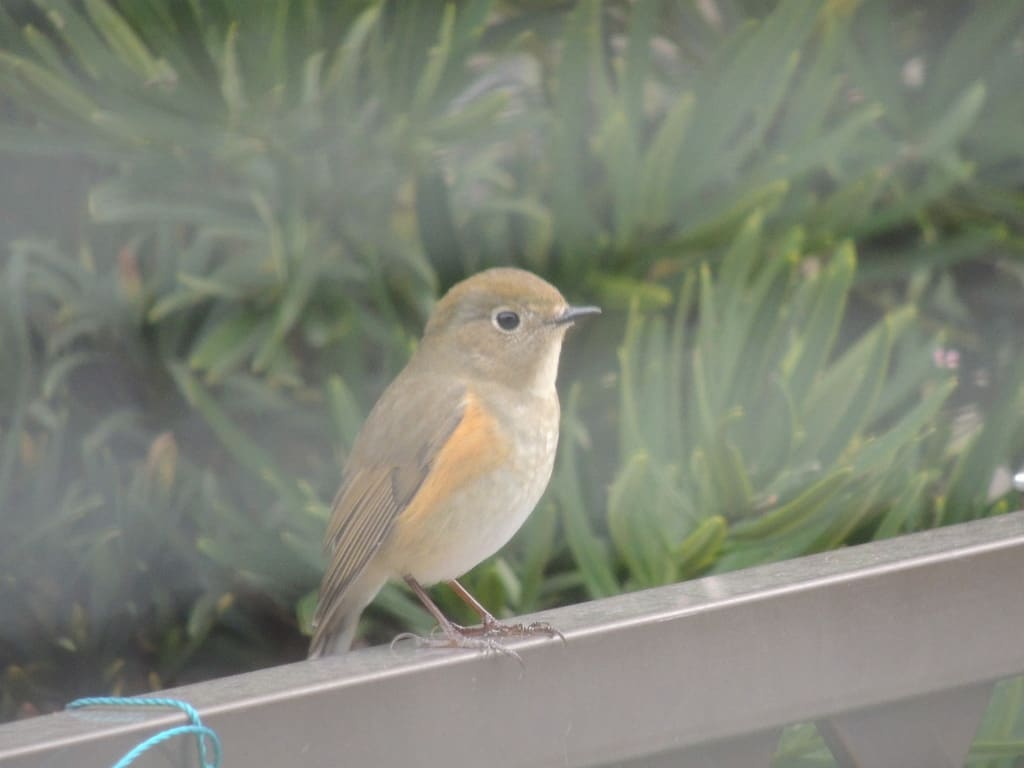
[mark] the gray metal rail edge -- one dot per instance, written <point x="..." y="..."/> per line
<point x="890" y="647"/>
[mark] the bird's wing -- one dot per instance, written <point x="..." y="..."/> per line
<point x="401" y="446"/>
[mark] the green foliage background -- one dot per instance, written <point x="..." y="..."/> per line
<point x="225" y="222"/>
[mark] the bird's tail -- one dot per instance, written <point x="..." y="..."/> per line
<point x="334" y="637"/>
<point x="335" y="624"/>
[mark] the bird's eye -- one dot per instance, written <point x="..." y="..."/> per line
<point x="506" y="320"/>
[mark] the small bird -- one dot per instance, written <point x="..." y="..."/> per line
<point x="453" y="457"/>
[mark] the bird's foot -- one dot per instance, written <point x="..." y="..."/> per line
<point x="486" y="637"/>
<point x="492" y="628"/>
<point x="442" y="638"/>
<point x="456" y="636"/>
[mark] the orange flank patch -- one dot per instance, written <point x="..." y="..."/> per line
<point x="475" y="447"/>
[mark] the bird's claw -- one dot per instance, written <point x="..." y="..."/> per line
<point x="485" y="637"/>
<point x="497" y="628"/>
<point x="463" y="637"/>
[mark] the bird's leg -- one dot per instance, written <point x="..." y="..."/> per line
<point x="490" y="626"/>
<point x="456" y="635"/>
<point x="486" y="617"/>
<point x="450" y="629"/>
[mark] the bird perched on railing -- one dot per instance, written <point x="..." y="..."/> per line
<point x="452" y="458"/>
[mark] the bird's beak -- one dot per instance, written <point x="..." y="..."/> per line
<point x="571" y="313"/>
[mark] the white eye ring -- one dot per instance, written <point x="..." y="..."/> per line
<point x="505" y="320"/>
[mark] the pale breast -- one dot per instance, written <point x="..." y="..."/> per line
<point x="484" y="514"/>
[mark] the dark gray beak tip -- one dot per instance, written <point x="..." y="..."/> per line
<point x="572" y="313"/>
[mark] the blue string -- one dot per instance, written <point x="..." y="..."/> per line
<point x="195" y="726"/>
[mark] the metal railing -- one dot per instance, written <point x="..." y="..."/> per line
<point x="891" y="648"/>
